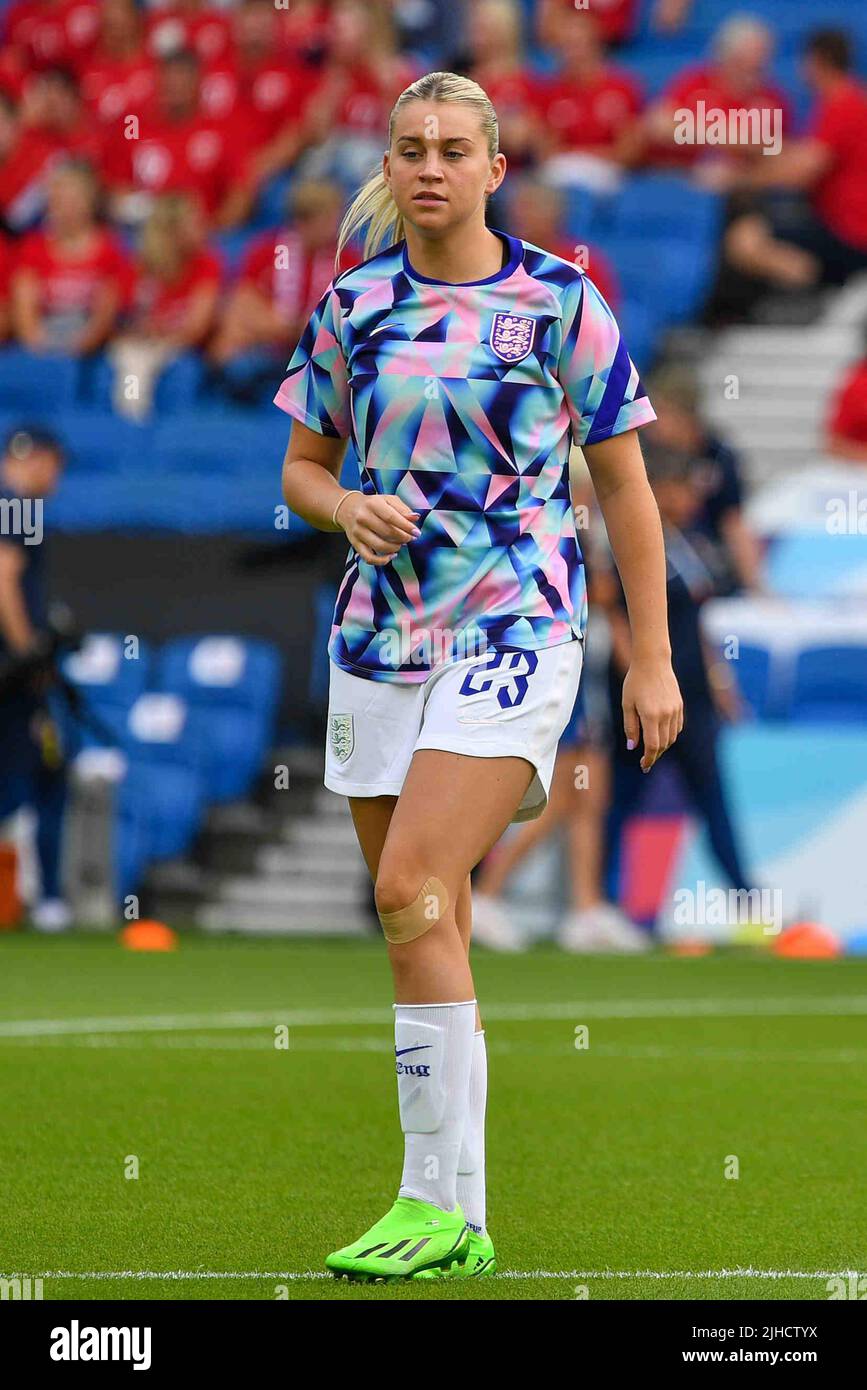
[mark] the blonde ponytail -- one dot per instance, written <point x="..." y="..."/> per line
<point x="373" y="206"/>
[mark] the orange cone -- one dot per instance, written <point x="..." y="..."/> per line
<point x="149" y="936"/>
<point x="807" y="941"/>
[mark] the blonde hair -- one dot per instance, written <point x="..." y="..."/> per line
<point x="373" y="205"/>
<point x="160" y="244"/>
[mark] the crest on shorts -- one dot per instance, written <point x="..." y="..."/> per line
<point x="342" y="735"/>
<point x="512" y="336"/>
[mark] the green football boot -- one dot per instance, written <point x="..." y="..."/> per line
<point x="412" y="1237"/>
<point x="475" y="1264"/>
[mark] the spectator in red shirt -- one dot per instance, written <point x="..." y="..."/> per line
<point x="171" y="147"/>
<point x="497" y="64"/>
<point x="51" y="32"/>
<point x="282" y="278"/>
<point x="27" y="156"/>
<point x="822" y="206"/>
<point x="117" y="76"/>
<point x="54" y="109"/>
<point x="189" y="24"/>
<point x="587" y="110"/>
<point x="361" y="79"/>
<point x="537" y="215"/>
<point x="695" y="121"/>
<point x="70" y="278"/>
<point x="846" y="433"/>
<point x="175" y="287"/>
<point x="262" y="86"/>
<point x="616" y="19"/>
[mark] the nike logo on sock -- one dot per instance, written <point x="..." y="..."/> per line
<point x="399" y="1052"/>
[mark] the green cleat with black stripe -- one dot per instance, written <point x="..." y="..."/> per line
<point x="412" y="1238"/>
<point x="478" y="1262"/>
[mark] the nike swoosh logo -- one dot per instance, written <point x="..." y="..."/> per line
<point x="382" y="327"/>
<point x="421" y="1047"/>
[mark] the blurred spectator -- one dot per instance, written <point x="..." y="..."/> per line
<point x="616" y="20"/>
<point x="717" y="527"/>
<point x="497" y="63"/>
<point x="707" y="684"/>
<point x="31" y="768"/>
<point x="537" y="214"/>
<point x="53" y="107"/>
<point x="846" y="433"/>
<point x="27" y="156"/>
<point x="362" y="77"/>
<point x="304" y="28"/>
<point x="173" y="301"/>
<point x="189" y="24"/>
<point x="117" y="76"/>
<point x="173" y="147"/>
<point x="829" y="166"/>
<point x="49" y="33"/>
<point x="671" y="15"/>
<point x="684" y="128"/>
<point x="70" y="278"/>
<point x="586" y="110"/>
<point x="263" y="87"/>
<point x="283" y="277"/>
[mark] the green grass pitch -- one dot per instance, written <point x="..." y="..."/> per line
<point x="606" y="1164"/>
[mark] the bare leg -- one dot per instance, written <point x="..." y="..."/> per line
<point x="443" y="790"/>
<point x="371" y="816"/>
<point x="499" y="868"/>
<point x="585" y="830"/>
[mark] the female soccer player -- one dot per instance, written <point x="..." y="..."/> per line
<point x="461" y="362"/>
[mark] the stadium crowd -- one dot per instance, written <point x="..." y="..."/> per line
<point x="132" y="138"/>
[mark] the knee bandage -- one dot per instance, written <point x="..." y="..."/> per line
<point x="422" y="914"/>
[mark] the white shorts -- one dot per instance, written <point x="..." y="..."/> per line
<point x="500" y="704"/>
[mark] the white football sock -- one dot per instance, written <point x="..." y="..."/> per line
<point x="471" y="1164"/>
<point x="433" y="1046"/>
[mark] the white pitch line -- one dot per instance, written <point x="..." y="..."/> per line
<point x="182" y="1274"/>
<point x="264" y="1044"/>
<point x="578" y="1011"/>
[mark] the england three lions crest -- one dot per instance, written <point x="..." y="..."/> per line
<point x="342" y="736"/>
<point x="512" y="336"/>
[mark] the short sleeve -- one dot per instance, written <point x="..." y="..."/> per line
<point x="603" y="390"/>
<point x="315" y="389"/>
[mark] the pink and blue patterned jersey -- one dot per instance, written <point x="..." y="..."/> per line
<point x="462" y="400"/>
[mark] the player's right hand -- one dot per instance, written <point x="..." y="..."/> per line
<point x="377" y="526"/>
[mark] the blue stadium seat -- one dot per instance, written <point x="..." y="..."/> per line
<point x="98" y="441"/>
<point x="752" y="671"/>
<point x="231" y="686"/>
<point x="109" y="672"/>
<point x="830" y="684"/>
<point x="28" y="380"/>
<point x="667" y="205"/>
<point x="165" y="779"/>
<point x="229" y="442"/>
<point x="672" y="279"/>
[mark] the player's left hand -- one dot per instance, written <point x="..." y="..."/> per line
<point x="652" y="708"/>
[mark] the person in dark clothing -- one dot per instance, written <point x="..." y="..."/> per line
<point x="31" y="771"/>
<point x="717" y="528"/>
<point x="707" y="686"/>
